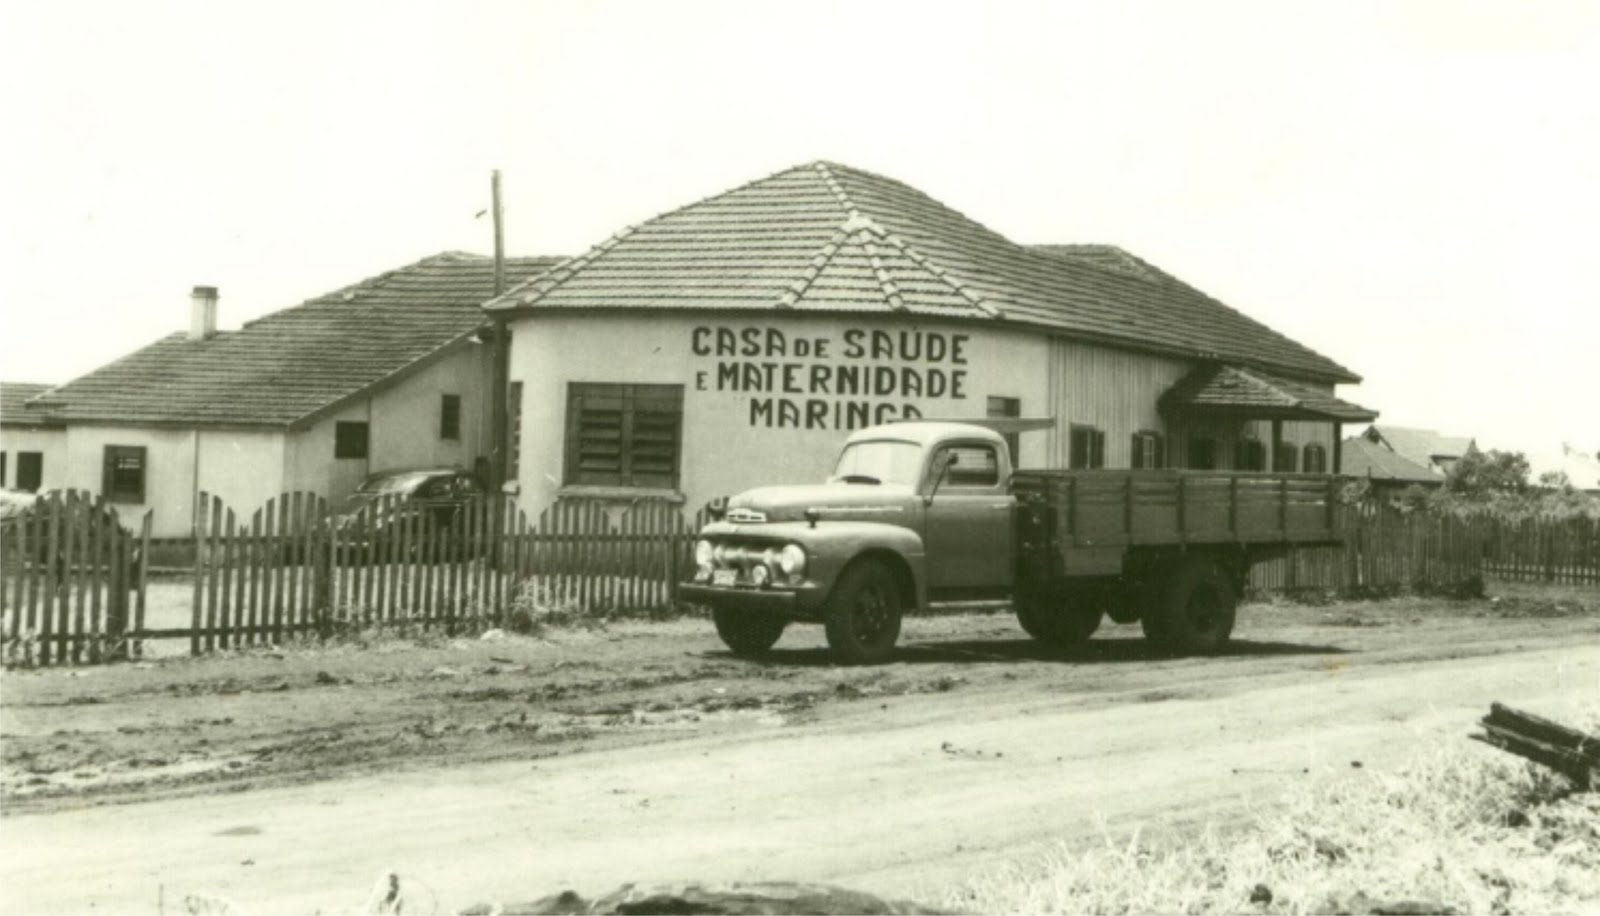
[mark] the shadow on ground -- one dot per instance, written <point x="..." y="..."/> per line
<point x="1002" y="651"/>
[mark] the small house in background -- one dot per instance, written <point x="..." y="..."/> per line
<point x="30" y="442"/>
<point x="388" y="373"/>
<point x="1367" y="460"/>
<point x="1424" y="447"/>
<point x="737" y="340"/>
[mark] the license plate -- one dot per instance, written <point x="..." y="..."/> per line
<point x="723" y="576"/>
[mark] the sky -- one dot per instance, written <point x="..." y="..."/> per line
<point x="1410" y="188"/>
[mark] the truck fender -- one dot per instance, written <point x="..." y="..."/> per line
<point x="898" y="548"/>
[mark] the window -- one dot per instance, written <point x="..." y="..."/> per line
<point x="1008" y="407"/>
<point x="623" y="435"/>
<point x="123" y="478"/>
<point x="1252" y="455"/>
<point x="1149" y="450"/>
<point x="349" y="440"/>
<point x="1202" y="453"/>
<point x="450" y="416"/>
<point x="976" y="466"/>
<point x="1316" y="460"/>
<point x="1087" y="448"/>
<point x="30" y="471"/>
<point x="1286" y="457"/>
<point x="513" y="444"/>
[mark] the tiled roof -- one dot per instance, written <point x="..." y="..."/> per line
<point x="1361" y="457"/>
<point x="290" y="364"/>
<point x="13" y="395"/>
<point x="1421" y="445"/>
<point x="826" y="237"/>
<point x="1254" y="393"/>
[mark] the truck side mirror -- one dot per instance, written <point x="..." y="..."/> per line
<point x="941" y="469"/>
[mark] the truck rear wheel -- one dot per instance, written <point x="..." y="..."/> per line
<point x="862" y="618"/>
<point x="1057" y="617"/>
<point x="1196" y="608"/>
<point x="745" y="633"/>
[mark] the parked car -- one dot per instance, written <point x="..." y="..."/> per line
<point x="409" y="510"/>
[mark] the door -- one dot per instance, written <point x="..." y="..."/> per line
<point x="967" y="533"/>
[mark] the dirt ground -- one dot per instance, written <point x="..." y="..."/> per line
<point x="509" y="768"/>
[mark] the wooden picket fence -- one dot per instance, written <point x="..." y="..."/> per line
<point x="72" y="582"/>
<point x="1543" y="549"/>
<point x="295" y="567"/>
<point x="1385" y="549"/>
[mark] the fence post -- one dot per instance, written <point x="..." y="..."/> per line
<point x="321" y="546"/>
<point x="198" y="529"/>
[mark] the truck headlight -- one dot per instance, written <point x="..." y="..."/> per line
<point x="702" y="553"/>
<point x="792" y="560"/>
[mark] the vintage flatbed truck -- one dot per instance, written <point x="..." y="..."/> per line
<point x="918" y="514"/>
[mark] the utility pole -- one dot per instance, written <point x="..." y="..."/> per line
<point x="499" y="235"/>
<point x="501" y="344"/>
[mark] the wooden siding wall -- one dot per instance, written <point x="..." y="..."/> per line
<point x="1114" y="390"/>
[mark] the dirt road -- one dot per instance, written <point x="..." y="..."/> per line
<point x="509" y="769"/>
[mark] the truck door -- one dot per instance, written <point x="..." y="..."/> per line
<point x="968" y="531"/>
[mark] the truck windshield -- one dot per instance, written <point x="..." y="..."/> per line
<point x="879" y="461"/>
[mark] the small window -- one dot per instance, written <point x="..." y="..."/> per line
<point x="1286" y="458"/>
<point x="1252" y="455"/>
<point x="123" y="479"/>
<point x="30" y="471"/>
<point x="1202" y="453"/>
<point x="1316" y="459"/>
<point x="349" y="440"/>
<point x="1008" y="407"/>
<point x="976" y="466"/>
<point x="624" y="435"/>
<point x="513" y="445"/>
<point x="450" y="416"/>
<point x="1087" y="447"/>
<point x="1149" y="450"/>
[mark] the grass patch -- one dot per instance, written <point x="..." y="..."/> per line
<point x="1459" y="829"/>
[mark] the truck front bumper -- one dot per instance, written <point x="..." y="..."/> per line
<point x="792" y="604"/>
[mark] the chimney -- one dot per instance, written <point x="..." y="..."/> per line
<point x="203" y="313"/>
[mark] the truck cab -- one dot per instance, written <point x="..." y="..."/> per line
<point x="913" y="513"/>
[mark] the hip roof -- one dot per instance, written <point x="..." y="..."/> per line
<point x="825" y="237"/>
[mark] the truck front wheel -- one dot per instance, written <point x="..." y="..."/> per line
<point x="863" y="614"/>
<point x="1195" y="611"/>
<point x="745" y="633"/>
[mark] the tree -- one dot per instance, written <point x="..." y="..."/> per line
<point x="1555" y="480"/>
<point x="1480" y="475"/>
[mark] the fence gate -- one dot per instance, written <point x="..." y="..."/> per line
<point x="72" y="582"/>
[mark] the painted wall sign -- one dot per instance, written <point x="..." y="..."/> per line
<point x="859" y="378"/>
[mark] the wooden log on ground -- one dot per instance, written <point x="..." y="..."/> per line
<point x="1573" y="754"/>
